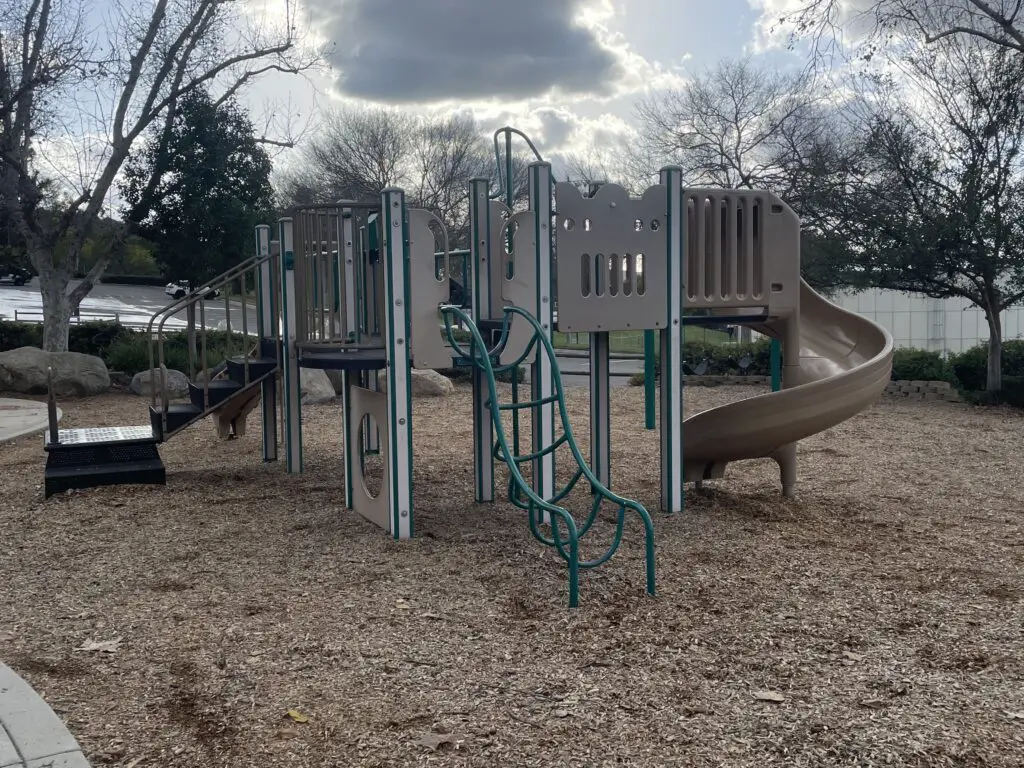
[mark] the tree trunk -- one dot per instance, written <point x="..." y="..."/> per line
<point x="994" y="380"/>
<point x="57" y="309"/>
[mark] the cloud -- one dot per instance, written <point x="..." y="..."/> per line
<point x="415" y="51"/>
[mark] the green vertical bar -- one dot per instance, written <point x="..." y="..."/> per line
<point x="649" y="389"/>
<point x="776" y="362"/>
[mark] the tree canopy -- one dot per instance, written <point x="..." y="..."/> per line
<point x="197" y="188"/>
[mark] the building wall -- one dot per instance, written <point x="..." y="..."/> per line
<point x="940" y="325"/>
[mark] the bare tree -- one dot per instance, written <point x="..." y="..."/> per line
<point x="447" y="153"/>
<point x="361" y="150"/>
<point x="98" y="92"/>
<point x="734" y="126"/>
<point x="878" y="22"/>
<point x="738" y="126"/>
<point x="586" y="170"/>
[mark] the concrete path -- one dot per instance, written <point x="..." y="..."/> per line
<point x="22" y="417"/>
<point x="31" y="734"/>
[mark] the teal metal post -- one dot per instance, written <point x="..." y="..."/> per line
<point x="776" y="363"/>
<point x="649" y="388"/>
<point x="266" y="319"/>
<point x="542" y="373"/>
<point x="481" y="250"/>
<point x="394" y="262"/>
<point x="672" y="490"/>
<point x="290" y="361"/>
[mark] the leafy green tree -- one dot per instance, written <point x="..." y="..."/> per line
<point x="198" y="187"/>
<point x="934" y="204"/>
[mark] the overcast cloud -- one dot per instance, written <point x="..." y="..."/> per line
<point x="418" y="51"/>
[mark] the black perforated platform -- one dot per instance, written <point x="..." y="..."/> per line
<point x="86" y="458"/>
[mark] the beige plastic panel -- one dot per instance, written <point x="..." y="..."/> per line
<point x="499" y="214"/>
<point x="611" y="259"/>
<point x="426" y="293"/>
<point x="521" y="289"/>
<point x="741" y="249"/>
<point x="366" y="402"/>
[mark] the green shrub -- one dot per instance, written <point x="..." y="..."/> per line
<point x="15" y="335"/>
<point x="1012" y="393"/>
<point x="919" y="365"/>
<point x="970" y="367"/>
<point x="129" y="353"/>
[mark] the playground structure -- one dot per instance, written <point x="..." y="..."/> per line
<point x="356" y="287"/>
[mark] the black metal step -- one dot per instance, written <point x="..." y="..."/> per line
<point x="143" y="472"/>
<point x="218" y="391"/>
<point x="258" y="368"/>
<point x="341" y="359"/>
<point x="270" y="348"/>
<point x="90" y="457"/>
<point x="178" y="416"/>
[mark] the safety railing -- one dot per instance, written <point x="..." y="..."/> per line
<point x="236" y="294"/>
<point x="339" y="284"/>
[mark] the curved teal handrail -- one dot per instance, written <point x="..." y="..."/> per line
<point x="521" y="494"/>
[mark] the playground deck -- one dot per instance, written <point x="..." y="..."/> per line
<point x="883" y="606"/>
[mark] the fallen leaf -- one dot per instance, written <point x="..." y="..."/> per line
<point x="403" y="604"/>
<point x="850" y="655"/>
<point x="433" y="741"/>
<point x="560" y="713"/>
<point x="297" y="716"/>
<point x="287" y="733"/>
<point x="103" y="646"/>
<point x="769" y="696"/>
<point x="1014" y="715"/>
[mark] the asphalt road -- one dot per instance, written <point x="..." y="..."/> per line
<point x="135" y="305"/>
<point x="131" y="304"/>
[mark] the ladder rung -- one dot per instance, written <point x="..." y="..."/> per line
<point x="528" y="403"/>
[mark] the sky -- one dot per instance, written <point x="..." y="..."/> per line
<point x="567" y="72"/>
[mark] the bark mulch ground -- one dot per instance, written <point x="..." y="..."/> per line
<point x="240" y="617"/>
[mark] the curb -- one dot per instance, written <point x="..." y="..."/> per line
<point x="13" y="433"/>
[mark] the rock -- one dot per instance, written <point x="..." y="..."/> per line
<point x="425" y="383"/>
<point x="315" y="386"/>
<point x="74" y="374"/>
<point x="145" y="382"/>
<point x="335" y="377"/>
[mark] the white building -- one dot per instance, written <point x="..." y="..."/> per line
<point x="940" y="325"/>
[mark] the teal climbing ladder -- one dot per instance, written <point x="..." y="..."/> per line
<point x="520" y="493"/>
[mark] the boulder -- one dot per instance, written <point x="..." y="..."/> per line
<point x="145" y="382"/>
<point x="74" y="374"/>
<point x="425" y="383"/>
<point x="335" y="377"/>
<point x="315" y="386"/>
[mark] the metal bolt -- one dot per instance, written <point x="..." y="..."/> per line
<point x="404" y="513"/>
<point x="398" y="302"/>
<point x="399" y="341"/>
<point x="401" y="422"/>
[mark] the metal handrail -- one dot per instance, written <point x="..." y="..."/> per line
<point x="157" y="356"/>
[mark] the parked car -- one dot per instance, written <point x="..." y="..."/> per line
<point x="178" y="290"/>
<point x="12" y="275"/>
